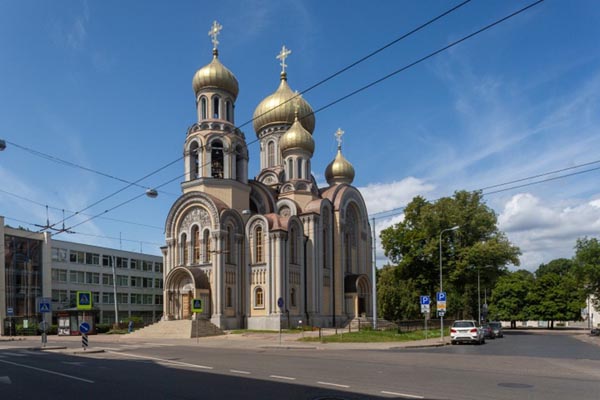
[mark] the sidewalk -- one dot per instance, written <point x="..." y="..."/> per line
<point x="246" y="341"/>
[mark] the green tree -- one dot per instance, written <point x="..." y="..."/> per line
<point x="396" y="299"/>
<point x="556" y="294"/>
<point x="414" y="243"/>
<point x="508" y="301"/>
<point x="587" y="262"/>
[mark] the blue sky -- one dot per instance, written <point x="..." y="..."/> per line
<point x="107" y="85"/>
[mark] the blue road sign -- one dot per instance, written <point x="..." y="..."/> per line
<point x="44" y="307"/>
<point x="84" y="327"/>
<point x="280" y="302"/>
<point x="441" y="296"/>
<point x="10" y="312"/>
<point x="425" y="300"/>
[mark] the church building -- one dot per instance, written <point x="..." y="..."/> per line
<point x="270" y="251"/>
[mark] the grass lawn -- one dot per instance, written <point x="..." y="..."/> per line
<point x="368" y="336"/>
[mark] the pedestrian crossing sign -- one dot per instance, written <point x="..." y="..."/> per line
<point x="84" y="300"/>
<point x="197" y="305"/>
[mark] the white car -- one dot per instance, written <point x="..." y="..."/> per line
<point x="466" y="331"/>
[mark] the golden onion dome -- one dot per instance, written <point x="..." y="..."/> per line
<point x="278" y="108"/>
<point x="215" y="75"/>
<point x="297" y="138"/>
<point x="339" y="170"/>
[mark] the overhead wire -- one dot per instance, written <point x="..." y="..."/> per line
<point x="485" y="28"/>
<point x="319" y="83"/>
<point x="398" y="210"/>
<point x="71" y="211"/>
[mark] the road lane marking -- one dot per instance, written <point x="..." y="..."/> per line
<point x="162" y="360"/>
<point x="237" y="371"/>
<point x="47" y="371"/>
<point x="287" y="378"/>
<point x="411" y="396"/>
<point x="333" y="384"/>
<point x="14" y="354"/>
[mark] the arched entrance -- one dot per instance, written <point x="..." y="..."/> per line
<point x="357" y="295"/>
<point x="182" y="285"/>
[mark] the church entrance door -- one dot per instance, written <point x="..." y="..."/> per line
<point x="362" y="308"/>
<point x="186" y="306"/>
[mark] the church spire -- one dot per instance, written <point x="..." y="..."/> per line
<point x="339" y="170"/>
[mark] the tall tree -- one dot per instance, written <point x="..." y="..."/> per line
<point x="397" y="299"/>
<point x="414" y="244"/>
<point x="587" y="261"/>
<point x="508" y="302"/>
<point x="555" y="295"/>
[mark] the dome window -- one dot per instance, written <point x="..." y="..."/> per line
<point x="216" y="102"/>
<point x="203" y="108"/>
<point x="217" y="159"/>
<point x="228" y="111"/>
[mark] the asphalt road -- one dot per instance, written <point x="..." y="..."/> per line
<point x="524" y="366"/>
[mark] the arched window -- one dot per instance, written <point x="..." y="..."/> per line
<point x="293" y="246"/>
<point x="300" y="172"/>
<point x="228" y="297"/>
<point x="203" y="107"/>
<point x="194" y="161"/>
<point x="293" y="297"/>
<point x="183" y="251"/>
<point x="258" y="245"/>
<point x="216" y="102"/>
<point x="207" y="252"/>
<point x="196" y="245"/>
<point x="228" y="111"/>
<point x="228" y="248"/>
<point x="271" y="154"/>
<point x="325" y="237"/>
<point x="217" y="159"/>
<point x="259" y="298"/>
<point x="290" y="168"/>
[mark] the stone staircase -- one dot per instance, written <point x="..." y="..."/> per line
<point x="177" y="329"/>
<point x="367" y="322"/>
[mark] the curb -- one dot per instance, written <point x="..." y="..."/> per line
<point x="287" y="347"/>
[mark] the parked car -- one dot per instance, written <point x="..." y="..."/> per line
<point x="497" y="328"/>
<point x="466" y="331"/>
<point x="488" y="332"/>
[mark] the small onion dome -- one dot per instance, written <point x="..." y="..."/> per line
<point x="278" y="108"/>
<point x="215" y="75"/>
<point x="297" y="138"/>
<point x="339" y="170"/>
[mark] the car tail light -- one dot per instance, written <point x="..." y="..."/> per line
<point x="452" y="330"/>
<point x="474" y="330"/>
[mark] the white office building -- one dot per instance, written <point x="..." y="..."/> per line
<point x="33" y="265"/>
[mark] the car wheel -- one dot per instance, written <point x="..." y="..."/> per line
<point x="483" y="341"/>
<point x="453" y="342"/>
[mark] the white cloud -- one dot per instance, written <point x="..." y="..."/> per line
<point x="545" y="231"/>
<point x="387" y="196"/>
<point x="73" y="33"/>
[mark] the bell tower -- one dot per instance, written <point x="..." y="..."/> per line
<point x="215" y="151"/>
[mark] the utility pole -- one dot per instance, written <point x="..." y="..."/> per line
<point x="374" y="294"/>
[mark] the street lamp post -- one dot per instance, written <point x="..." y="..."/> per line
<point x="441" y="280"/>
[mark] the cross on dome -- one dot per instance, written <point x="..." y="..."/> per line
<point x="215" y="29"/>
<point x="283" y="54"/>
<point x="338" y="136"/>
